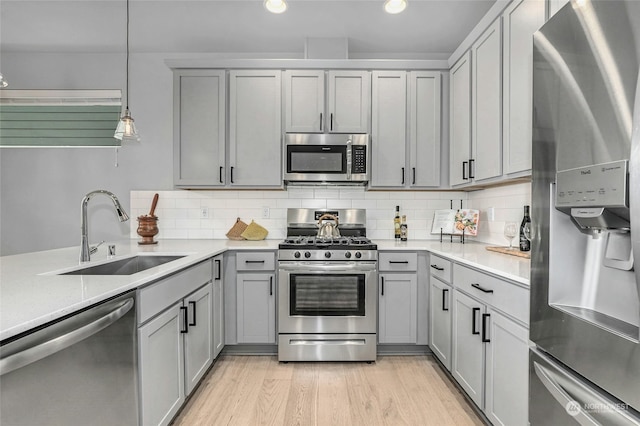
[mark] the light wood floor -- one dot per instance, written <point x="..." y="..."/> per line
<point x="395" y="390"/>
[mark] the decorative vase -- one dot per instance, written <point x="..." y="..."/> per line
<point x="147" y="228"/>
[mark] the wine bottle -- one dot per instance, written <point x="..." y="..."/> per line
<point x="525" y="244"/>
<point x="403" y="228"/>
<point x="396" y="223"/>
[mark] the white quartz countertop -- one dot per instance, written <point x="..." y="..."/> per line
<point x="472" y="254"/>
<point x="32" y="293"/>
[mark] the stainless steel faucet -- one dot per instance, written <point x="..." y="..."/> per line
<point x="85" y="252"/>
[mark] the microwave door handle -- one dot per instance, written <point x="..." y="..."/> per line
<point x="349" y="158"/>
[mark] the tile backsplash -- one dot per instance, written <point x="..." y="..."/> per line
<point x="202" y="214"/>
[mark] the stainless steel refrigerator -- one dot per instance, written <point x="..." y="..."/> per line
<point x="585" y="304"/>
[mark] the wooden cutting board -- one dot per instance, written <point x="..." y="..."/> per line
<point x="513" y="252"/>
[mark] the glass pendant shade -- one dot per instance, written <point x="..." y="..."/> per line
<point x="275" y="6"/>
<point x="3" y="82"/>
<point x="126" y="131"/>
<point x="395" y="6"/>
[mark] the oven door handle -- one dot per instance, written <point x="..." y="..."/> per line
<point x="314" y="267"/>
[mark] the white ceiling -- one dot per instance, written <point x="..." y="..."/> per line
<point x="427" y="29"/>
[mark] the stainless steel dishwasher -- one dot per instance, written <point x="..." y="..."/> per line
<point x="80" y="370"/>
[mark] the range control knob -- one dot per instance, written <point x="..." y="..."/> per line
<point x="296" y="255"/>
<point x="327" y="254"/>
<point x="358" y="255"/>
<point x="347" y="255"/>
<point x="307" y="254"/>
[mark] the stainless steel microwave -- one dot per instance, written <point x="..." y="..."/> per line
<point x="326" y="158"/>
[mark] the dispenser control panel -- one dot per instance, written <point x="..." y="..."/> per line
<point x="599" y="185"/>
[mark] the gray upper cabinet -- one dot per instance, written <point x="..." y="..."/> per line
<point x="388" y="128"/>
<point x="304" y="94"/>
<point x="486" y="110"/>
<point x="405" y="129"/>
<point x="349" y="101"/>
<point x="255" y="128"/>
<point x="425" y="116"/>
<point x="521" y="18"/>
<point x="199" y="127"/>
<point x="460" y="121"/>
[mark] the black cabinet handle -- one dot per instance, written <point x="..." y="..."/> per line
<point x="403" y="175"/>
<point x="471" y="161"/>
<point x="464" y="169"/>
<point x="331" y="127"/>
<point x="437" y="268"/>
<point x="445" y="291"/>
<point x="193" y="305"/>
<point x="484" y="328"/>
<point x="231" y="174"/>
<point x="320" y="121"/>
<point x="254" y="261"/>
<point x="484" y="290"/>
<point x="413" y="181"/>
<point x="473" y="320"/>
<point x="398" y="261"/>
<point x="221" y="169"/>
<point x="382" y="278"/>
<point x="185" y="319"/>
<point x="218" y="269"/>
<point x="270" y="286"/>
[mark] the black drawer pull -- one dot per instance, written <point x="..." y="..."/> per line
<point x="471" y="161"/>
<point x="185" y="319"/>
<point x="382" y="278"/>
<point x="399" y="261"/>
<point x="445" y="291"/>
<point x="484" y="290"/>
<point x="403" y="176"/>
<point x="413" y="182"/>
<point x="473" y="320"/>
<point x="464" y="169"/>
<point x="232" y="174"/>
<point x="270" y="286"/>
<point x="437" y="268"/>
<point x="484" y="328"/>
<point x="221" y="169"/>
<point x="254" y="261"/>
<point x="193" y="305"/>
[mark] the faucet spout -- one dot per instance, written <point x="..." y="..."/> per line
<point x="85" y="251"/>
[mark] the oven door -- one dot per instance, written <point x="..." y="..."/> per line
<point x="327" y="297"/>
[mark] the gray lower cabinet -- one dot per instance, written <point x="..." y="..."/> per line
<point x="255" y="297"/>
<point x="440" y="310"/>
<point x="175" y="339"/>
<point x="218" y="305"/>
<point x="398" y="308"/>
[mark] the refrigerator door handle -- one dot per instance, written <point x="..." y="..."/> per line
<point x="563" y="398"/>
<point x="634" y="188"/>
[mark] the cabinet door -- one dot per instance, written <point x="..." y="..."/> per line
<point x="398" y="308"/>
<point x="424" y="128"/>
<point x="521" y="18"/>
<point x="198" y="354"/>
<point x="304" y="101"/>
<point x="460" y="121"/>
<point x="218" y="306"/>
<point x="467" y="364"/>
<point x="388" y="128"/>
<point x="255" y="128"/>
<point x="256" y="308"/>
<point x="161" y="367"/>
<point x="507" y="370"/>
<point x="199" y="127"/>
<point x="349" y="101"/>
<point x="486" y="113"/>
<point x="440" y="309"/>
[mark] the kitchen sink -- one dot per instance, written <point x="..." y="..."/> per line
<point x="128" y="266"/>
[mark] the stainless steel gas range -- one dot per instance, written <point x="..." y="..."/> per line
<point x="327" y="289"/>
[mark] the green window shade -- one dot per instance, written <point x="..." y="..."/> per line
<point x="58" y="125"/>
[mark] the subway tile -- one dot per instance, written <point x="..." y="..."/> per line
<point x="200" y="234"/>
<point x="352" y="194"/>
<point x="340" y="204"/>
<point x="326" y="193"/>
<point x="176" y="233"/>
<point x="187" y="223"/>
<point x="228" y="213"/>
<point x="313" y="204"/>
<point x="288" y="203"/>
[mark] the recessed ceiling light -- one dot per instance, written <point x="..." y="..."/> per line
<point x="395" y="6"/>
<point x="275" y="6"/>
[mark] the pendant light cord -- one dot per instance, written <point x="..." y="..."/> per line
<point x="127" y="82"/>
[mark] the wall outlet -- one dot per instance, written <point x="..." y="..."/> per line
<point x="204" y="212"/>
<point x="265" y="212"/>
<point x="491" y="214"/>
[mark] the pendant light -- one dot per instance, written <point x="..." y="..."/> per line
<point x="3" y="83"/>
<point x="126" y="131"/>
<point x="275" y="6"/>
<point x="395" y="6"/>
